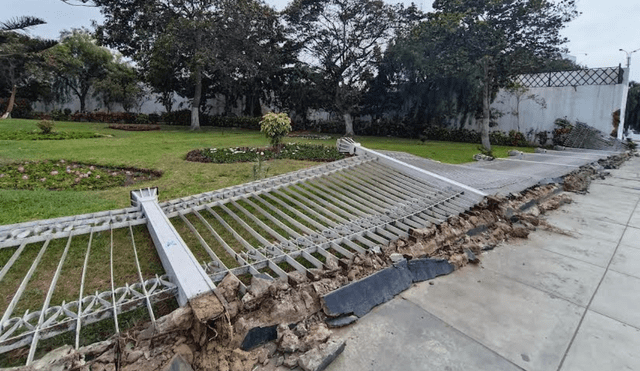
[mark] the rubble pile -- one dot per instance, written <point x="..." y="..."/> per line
<point x="578" y="181"/>
<point x="495" y="220"/>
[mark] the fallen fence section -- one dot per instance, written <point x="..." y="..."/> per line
<point x="280" y="226"/>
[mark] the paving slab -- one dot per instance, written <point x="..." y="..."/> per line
<point x="635" y="221"/>
<point x="529" y="327"/>
<point x="607" y="202"/>
<point x="590" y="250"/>
<point x="400" y="335"/>
<point x="603" y="344"/>
<point x="631" y="237"/>
<point x="583" y="224"/>
<point x="604" y="213"/>
<point x="627" y="261"/>
<point x="618" y="297"/>
<point x="529" y="263"/>
<point x="620" y="182"/>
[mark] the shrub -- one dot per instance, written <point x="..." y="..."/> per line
<point x="513" y="138"/>
<point x="275" y="126"/>
<point x="142" y="119"/>
<point x="58" y="115"/>
<point x="45" y="126"/>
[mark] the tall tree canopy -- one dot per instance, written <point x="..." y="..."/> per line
<point x="221" y="42"/>
<point x="342" y="40"/>
<point x="17" y="52"/>
<point x="500" y="39"/>
<point x="77" y="63"/>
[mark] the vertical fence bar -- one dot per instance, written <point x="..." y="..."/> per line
<point x="52" y="286"/>
<point x="84" y="273"/>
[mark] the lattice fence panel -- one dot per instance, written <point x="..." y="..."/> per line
<point x="593" y="76"/>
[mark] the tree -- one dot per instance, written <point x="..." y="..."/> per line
<point x="214" y="41"/>
<point x="519" y="92"/>
<point x="77" y="63"/>
<point x="342" y="40"/>
<point x="420" y="82"/>
<point x="502" y="38"/>
<point x="120" y="85"/>
<point x="17" y="53"/>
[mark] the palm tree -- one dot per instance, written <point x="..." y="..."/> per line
<point x="16" y="46"/>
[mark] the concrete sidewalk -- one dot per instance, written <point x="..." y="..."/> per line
<point x="552" y="302"/>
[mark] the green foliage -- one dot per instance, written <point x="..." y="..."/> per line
<point x="513" y="138"/>
<point x="291" y="151"/>
<point x="344" y="39"/>
<point x="61" y="175"/>
<point x="45" y="126"/>
<point x="21" y="108"/>
<point x="36" y="135"/>
<point x="275" y="126"/>
<point x="142" y="119"/>
<point x="493" y="41"/>
<point x="119" y="85"/>
<point x="165" y="151"/>
<point x="76" y="64"/>
<point x="19" y="55"/>
<point x="186" y="46"/>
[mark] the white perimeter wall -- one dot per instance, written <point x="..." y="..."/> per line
<point x="591" y="104"/>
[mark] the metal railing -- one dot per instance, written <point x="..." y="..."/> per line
<point x="65" y="274"/>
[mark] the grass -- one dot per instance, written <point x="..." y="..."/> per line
<point x="165" y="151"/>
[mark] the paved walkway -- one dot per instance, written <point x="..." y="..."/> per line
<point x="552" y="302"/>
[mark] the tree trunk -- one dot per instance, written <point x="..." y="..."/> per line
<point x="83" y="106"/>
<point x="197" y="96"/>
<point x="348" y="124"/>
<point x="12" y="101"/>
<point x="486" y="107"/>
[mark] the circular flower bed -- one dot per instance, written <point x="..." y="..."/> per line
<point x="62" y="175"/>
<point x="134" y="127"/>
<point x="292" y="151"/>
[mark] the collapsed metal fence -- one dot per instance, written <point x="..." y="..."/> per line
<point x="74" y="277"/>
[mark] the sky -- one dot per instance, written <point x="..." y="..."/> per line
<point x="595" y="37"/>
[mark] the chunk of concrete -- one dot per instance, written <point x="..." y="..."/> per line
<point x="317" y="359"/>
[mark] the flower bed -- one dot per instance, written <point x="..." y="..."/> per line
<point x="58" y="135"/>
<point x="134" y="127"/>
<point x="292" y="151"/>
<point x="63" y="175"/>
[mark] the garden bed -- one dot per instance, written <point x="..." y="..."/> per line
<point x="37" y="135"/>
<point x="291" y="151"/>
<point x="64" y="175"/>
<point x="134" y="127"/>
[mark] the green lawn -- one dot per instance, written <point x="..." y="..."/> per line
<point x="163" y="150"/>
